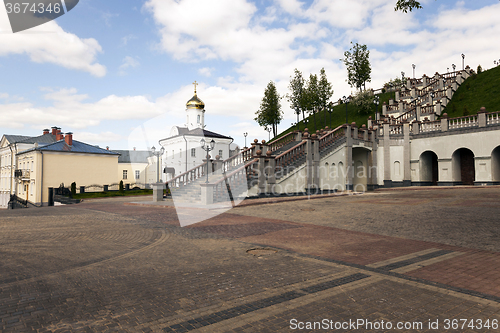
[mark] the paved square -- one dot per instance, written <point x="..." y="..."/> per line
<point x="420" y="259"/>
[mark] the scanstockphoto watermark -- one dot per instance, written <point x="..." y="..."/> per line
<point x="26" y="14"/>
<point x="365" y="324"/>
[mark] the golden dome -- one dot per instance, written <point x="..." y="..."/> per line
<point x="195" y="103"/>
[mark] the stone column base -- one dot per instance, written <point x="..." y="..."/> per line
<point x="158" y="191"/>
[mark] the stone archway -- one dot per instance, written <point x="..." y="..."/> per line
<point x="429" y="171"/>
<point x="463" y="166"/>
<point x="360" y="169"/>
<point x="495" y="164"/>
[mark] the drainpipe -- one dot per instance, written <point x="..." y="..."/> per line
<point x="11" y="175"/>
<point x="41" y="182"/>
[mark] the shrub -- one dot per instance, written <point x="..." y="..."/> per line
<point x="120" y="186"/>
<point x="73" y="188"/>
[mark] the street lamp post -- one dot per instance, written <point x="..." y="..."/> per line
<point x="413" y="65"/>
<point x="297" y="111"/>
<point x="208" y="149"/>
<point x="329" y="108"/>
<point x="376" y="101"/>
<point x="432" y="100"/>
<point x="453" y="66"/>
<point x="346" y="100"/>
<point x="157" y="154"/>
<point x="268" y="129"/>
<point x="463" y="61"/>
<point x="245" y="135"/>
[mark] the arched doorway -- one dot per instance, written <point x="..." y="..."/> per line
<point x="360" y="169"/>
<point x="495" y="164"/>
<point x="463" y="168"/>
<point x="429" y="174"/>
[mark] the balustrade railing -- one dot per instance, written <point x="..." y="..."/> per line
<point x="427" y="109"/>
<point x="188" y="176"/>
<point x="396" y="130"/>
<point x="332" y="136"/>
<point x="430" y="126"/>
<point x="239" y="175"/>
<point x="461" y="122"/>
<point x="237" y="159"/>
<point x="280" y="142"/>
<point x="291" y="155"/>
<point x="493" y="118"/>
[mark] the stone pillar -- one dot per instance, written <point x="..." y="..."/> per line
<point x="218" y="165"/>
<point x="316" y="159"/>
<point x="418" y="112"/>
<point x="158" y="191"/>
<point x="425" y="81"/>
<point x="298" y="136"/>
<point x="348" y="165"/>
<point x="406" y="155"/>
<point x="369" y="122"/>
<point x="384" y="108"/>
<point x="354" y="130"/>
<point x="261" y="175"/>
<point x="413" y="92"/>
<point x="400" y="106"/>
<point x="444" y="122"/>
<point x="387" y="156"/>
<point x="416" y="127"/>
<point x="481" y="117"/>
<point x="309" y="163"/>
<point x="438" y="109"/>
<point x="207" y="194"/>
<point x="270" y="172"/>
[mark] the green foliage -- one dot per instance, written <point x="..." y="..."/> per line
<point x="270" y="113"/>
<point x="363" y="100"/>
<point x="397" y="82"/>
<point x="477" y="91"/>
<point x="73" y="188"/>
<point x="358" y="66"/>
<point x="479" y="69"/>
<point x="407" y="5"/>
<point x="297" y="96"/>
<point x="87" y="195"/>
<point x="325" y="90"/>
<point x="120" y="186"/>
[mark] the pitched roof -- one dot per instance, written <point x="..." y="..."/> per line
<point x="133" y="156"/>
<point x="198" y="132"/>
<point x="77" y="147"/>
<point x="16" y="138"/>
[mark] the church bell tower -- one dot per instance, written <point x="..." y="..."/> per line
<point x="195" y="111"/>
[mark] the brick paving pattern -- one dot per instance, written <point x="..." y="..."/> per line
<point x="398" y="256"/>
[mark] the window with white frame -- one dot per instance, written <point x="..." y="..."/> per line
<point x="220" y="153"/>
<point x="124" y="174"/>
<point x="137" y="174"/>
<point x="193" y="152"/>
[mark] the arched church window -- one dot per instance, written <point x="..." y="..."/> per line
<point x="199" y="119"/>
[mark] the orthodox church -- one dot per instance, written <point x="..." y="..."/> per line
<point x="183" y="149"/>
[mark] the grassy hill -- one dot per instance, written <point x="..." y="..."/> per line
<point x="479" y="90"/>
<point x="338" y="116"/>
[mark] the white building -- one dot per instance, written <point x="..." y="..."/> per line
<point x="183" y="150"/>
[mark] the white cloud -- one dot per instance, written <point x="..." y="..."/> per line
<point x="49" y="43"/>
<point x="206" y="71"/>
<point x="128" y="62"/>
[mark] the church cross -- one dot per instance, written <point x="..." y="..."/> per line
<point x="195" y="84"/>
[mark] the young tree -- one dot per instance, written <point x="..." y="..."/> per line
<point x="407" y="5"/>
<point x="270" y="113"/>
<point x="297" y="95"/>
<point x="312" y="96"/>
<point x="325" y="91"/>
<point x="358" y="66"/>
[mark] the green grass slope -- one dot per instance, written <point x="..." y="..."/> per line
<point x="479" y="90"/>
<point x="338" y="116"/>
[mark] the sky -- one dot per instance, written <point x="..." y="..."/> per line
<point x="119" y="73"/>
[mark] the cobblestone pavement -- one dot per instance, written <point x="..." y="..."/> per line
<point x="405" y="261"/>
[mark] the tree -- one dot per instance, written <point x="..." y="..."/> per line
<point x="364" y="101"/>
<point x="325" y="91"/>
<point x="270" y="113"/>
<point x="312" y="96"/>
<point x="407" y="5"/>
<point x="358" y="66"/>
<point x="297" y="95"/>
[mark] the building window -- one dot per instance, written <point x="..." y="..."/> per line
<point x="193" y="152"/>
<point x="124" y="174"/>
<point x="220" y="153"/>
<point x="199" y="119"/>
<point x="173" y="154"/>
<point x="137" y="174"/>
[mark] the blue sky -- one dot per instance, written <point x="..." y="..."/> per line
<point x="118" y="73"/>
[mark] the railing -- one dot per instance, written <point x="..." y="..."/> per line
<point x="406" y="93"/>
<point x="451" y="75"/>
<point x="393" y="107"/>
<point x="426" y="109"/>
<point x="332" y="136"/>
<point x="238" y="175"/>
<point x="396" y="130"/>
<point x="430" y="126"/>
<point x="188" y="176"/>
<point x="493" y="118"/>
<point x="280" y="142"/>
<point x="461" y="122"/>
<point x="237" y="159"/>
<point x="24" y="174"/>
<point x="291" y="155"/>
<point x="407" y="116"/>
